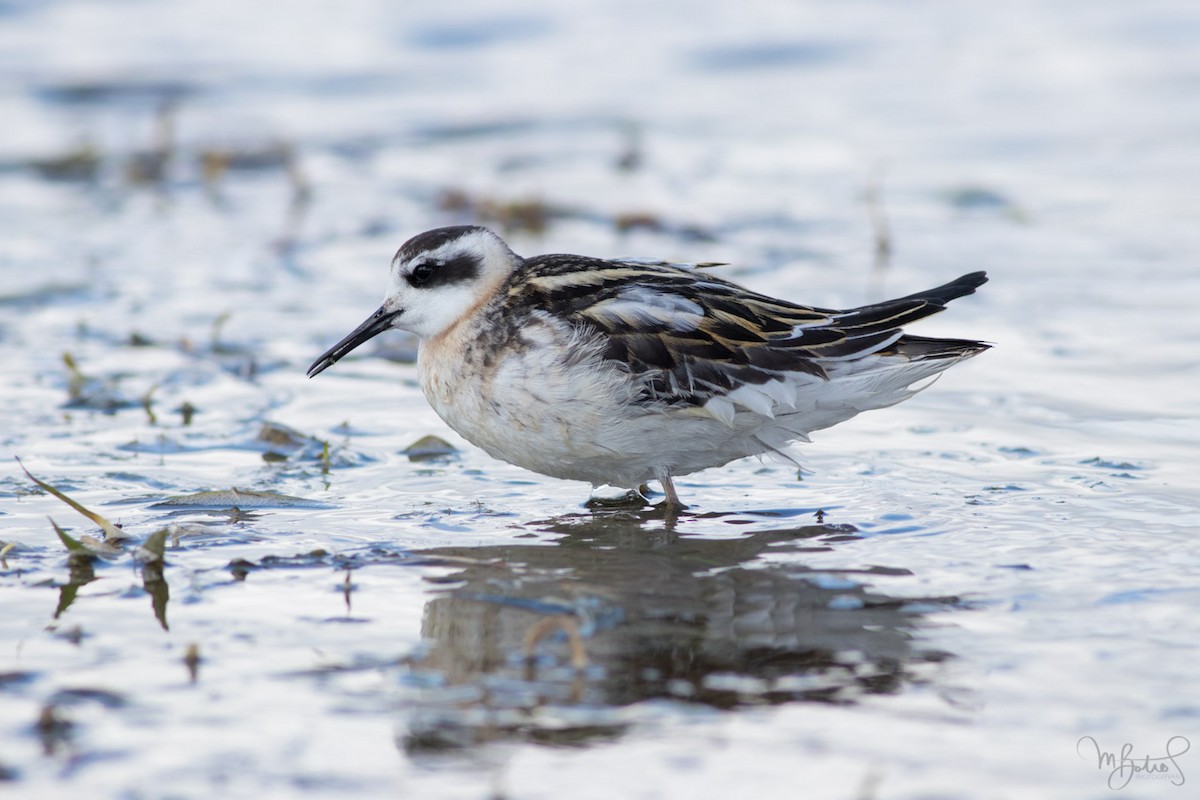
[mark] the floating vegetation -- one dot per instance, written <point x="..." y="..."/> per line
<point x="235" y="498"/>
<point x="80" y="569"/>
<point x="216" y="345"/>
<point x="85" y="391"/>
<point x="112" y="532"/>
<point x="79" y="165"/>
<point x="325" y="459"/>
<point x="186" y="412"/>
<point x="280" y="443"/>
<point x="191" y="660"/>
<point x="216" y="162"/>
<point x="153" y="549"/>
<point x="148" y="405"/>
<point x="54" y="730"/>
<point x="429" y="448"/>
<point x="534" y="216"/>
<point x="281" y="437"/>
<point x="630" y="221"/>
<point x="83" y="552"/>
<point x="526" y="215"/>
<point x="85" y="547"/>
<point x="149" y="167"/>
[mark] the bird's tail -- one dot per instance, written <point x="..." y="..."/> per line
<point x="923" y="348"/>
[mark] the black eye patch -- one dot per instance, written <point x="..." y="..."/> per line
<point x="460" y="269"/>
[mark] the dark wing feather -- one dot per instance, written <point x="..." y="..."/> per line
<point x="687" y="337"/>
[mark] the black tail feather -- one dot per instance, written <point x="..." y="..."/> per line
<point x="959" y="287"/>
<point x="894" y="314"/>
<point x="920" y="348"/>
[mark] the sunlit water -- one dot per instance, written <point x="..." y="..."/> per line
<point x="196" y="199"/>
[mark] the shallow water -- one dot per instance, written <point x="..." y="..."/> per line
<point x="196" y="199"/>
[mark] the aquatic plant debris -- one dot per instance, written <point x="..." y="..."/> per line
<point x="84" y="546"/>
<point x="153" y="549"/>
<point x="73" y="545"/>
<point x="111" y="532"/>
<point x="88" y="392"/>
<point x="428" y="448"/>
<point x="280" y="443"/>
<point x="191" y="660"/>
<point x="240" y="498"/>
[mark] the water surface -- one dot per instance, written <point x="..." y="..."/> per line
<point x="196" y="199"/>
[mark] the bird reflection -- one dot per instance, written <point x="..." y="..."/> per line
<point x="722" y="622"/>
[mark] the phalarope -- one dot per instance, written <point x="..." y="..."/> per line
<point x="620" y="372"/>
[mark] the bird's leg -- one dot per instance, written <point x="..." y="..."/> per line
<point x="673" y="502"/>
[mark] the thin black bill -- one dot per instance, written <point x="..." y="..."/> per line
<point x="374" y="325"/>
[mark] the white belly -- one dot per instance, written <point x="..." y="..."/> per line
<point x="548" y="404"/>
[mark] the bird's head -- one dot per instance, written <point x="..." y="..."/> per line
<point x="437" y="278"/>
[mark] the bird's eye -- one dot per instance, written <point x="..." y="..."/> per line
<point x="421" y="273"/>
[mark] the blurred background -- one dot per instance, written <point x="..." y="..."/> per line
<point x="198" y="198"/>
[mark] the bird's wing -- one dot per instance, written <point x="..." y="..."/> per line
<point x="687" y="337"/>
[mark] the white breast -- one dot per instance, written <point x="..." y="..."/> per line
<point x="547" y="403"/>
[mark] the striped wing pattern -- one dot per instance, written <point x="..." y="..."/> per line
<point x="687" y="337"/>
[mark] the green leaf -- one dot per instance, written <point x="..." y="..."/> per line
<point x="73" y="545"/>
<point x="153" y="548"/>
<point x="112" y="532"/>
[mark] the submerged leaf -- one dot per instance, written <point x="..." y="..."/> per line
<point x="240" y="498"/>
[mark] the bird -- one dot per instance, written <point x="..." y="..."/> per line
<point x="619" y="372"/>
